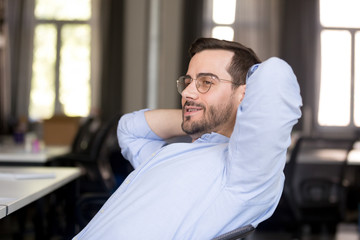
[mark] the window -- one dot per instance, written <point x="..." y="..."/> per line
<point x="221" y="18"/>
<point x="254" y="23"/>
<point x="60" y="82"/>
<point x="339" y="95"/>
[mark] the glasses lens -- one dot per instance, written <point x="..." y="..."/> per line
<point x="204" y="83"/>
<point x="181" y="84"/>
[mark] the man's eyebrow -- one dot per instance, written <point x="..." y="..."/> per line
<point x="207" y="74"/>
<point x="202" y="74"/>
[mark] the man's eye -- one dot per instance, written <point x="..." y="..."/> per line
<point x="187" y="81"/>
<point x="206" y="81"/>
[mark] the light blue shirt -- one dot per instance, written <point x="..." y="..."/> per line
<point x="203" y="189"/>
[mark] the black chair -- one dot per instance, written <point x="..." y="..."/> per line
<point x="84" y="136"/>
<point x="236" y="234"/>
<point x="94" y="149"/>
<point x="88" y="205"/>
<point x="317" y="190"/>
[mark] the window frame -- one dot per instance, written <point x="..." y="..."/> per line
<point x="95" y="43"/>
<point x="341" y="131"/>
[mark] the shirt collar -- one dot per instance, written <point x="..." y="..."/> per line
<point x="212" y="138"/>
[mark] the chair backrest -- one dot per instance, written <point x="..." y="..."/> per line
<point x="236" y="234"/>
<point x="324" y="151"/>
<point x="85" y="135"/>
<point x="88" y="205"/>
<point x="93" y="149"/>
<point x="315" y="172"/>
<point x="104" y="146"/>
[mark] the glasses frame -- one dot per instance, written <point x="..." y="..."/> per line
<point x="196" y="82"/>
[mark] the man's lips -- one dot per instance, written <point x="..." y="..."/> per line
<point x="191" y="108"/>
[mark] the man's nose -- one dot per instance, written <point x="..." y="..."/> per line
<point x="190" y="92"/>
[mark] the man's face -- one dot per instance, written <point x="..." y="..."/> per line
<point x="215" y="110"/>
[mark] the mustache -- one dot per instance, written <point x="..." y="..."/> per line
<point x="191" y="103"/>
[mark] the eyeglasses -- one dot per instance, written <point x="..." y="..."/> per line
<point x="203" y="83"/>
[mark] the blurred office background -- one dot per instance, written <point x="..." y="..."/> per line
<point x="102" y="58"/>
<point x="83" y="57"/>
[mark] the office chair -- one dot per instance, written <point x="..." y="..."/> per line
<point x="237" y="234"/>
<point x="88" y="205"/>
<point x="85" y="135"/>
<point x="317" y="191"/>
<point x="93" y="149"/>
<point x="83" y="140"/>
<point x="105" y="169"/>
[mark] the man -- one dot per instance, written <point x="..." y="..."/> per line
<point x="230" y="175"/>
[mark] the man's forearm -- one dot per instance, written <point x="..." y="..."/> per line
<point x="166" y="123"/>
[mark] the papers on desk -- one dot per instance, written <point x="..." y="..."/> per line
<point x="26" y="176"/>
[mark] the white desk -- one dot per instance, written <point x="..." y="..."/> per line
<point x="2" y="211"/>
<point x="16" y="193"/>
<point x="345" y="231"/>
<point x="354" y="157"/>
<point x="19" y="154"/>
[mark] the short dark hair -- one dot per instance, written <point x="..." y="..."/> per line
<point x="242" y="60"/>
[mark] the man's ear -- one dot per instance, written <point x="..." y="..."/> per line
<point x="240" y="93"/>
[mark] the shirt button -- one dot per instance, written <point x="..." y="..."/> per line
<point x="127" y="181"/>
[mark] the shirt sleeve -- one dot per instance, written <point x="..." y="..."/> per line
<point x="261" y="136"/>
<point x="136" y="140"/>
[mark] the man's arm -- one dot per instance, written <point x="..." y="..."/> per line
<point x="142" y="132"/>
<point x="257" y="148"/>
<point x="166" y="123"/>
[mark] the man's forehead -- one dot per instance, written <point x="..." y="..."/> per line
<point x="210" y="60"/>
<point x="215" y="52"/>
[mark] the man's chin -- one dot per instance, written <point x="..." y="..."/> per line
<point x="186" y="127"/>
<point x="192" y="128"/>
